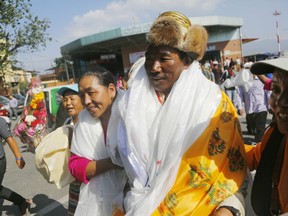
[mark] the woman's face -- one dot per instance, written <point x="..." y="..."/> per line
<point x="279" y="99"/>
<point x="163" y="67"/>
<point x="72" y="103"/>
<point x="95" y="97"/>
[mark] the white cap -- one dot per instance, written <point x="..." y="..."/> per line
<point x="268" y="66"/>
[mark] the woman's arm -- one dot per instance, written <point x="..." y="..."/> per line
<point x="266" y="81"/>
<point x="77" y="166"/>
<point x="98" y="167"/>
<point x="15" y="149"/>
<point x="83" y="169"/>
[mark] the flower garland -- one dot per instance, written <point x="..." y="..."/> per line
<point x="31" y="127"/>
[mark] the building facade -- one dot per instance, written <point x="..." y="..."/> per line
<point x="117" y="49"/>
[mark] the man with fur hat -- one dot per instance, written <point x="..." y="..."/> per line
<point x="179" y="137"/>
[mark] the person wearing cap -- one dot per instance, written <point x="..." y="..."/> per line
<point x="179" y="135"/>
<point x="73" y="106"/>
<point x="72" y="103"/>
<point x="270" y="157"/>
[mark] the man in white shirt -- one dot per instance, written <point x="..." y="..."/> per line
<point x="13" y="103"/>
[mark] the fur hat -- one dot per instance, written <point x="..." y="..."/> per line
<point x="175" y="29"/>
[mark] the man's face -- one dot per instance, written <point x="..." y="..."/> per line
<point x="279" y="99"/>
<point x="163" y="67"/>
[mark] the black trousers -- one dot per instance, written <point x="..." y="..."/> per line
<point x="256" y="123"/>
<point x="6" y="193"/>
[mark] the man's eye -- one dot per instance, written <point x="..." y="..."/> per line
<point x="92" y="93"/>
<point x="165" y="59"/>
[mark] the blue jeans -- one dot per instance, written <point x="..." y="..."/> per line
<point x="232" y="95"/>
<point x="13" y="112"/>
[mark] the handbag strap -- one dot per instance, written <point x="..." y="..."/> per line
<point x="275" y="206"/>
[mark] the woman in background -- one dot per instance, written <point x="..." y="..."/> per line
<point x="73" y="106"/>
<point x="270" y="157"/>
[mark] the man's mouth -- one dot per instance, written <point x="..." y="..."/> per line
<point x="156" y="78"/>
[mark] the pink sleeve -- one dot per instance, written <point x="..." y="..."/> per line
<point x="77" y="166"/>
<point x="267" y="85"/>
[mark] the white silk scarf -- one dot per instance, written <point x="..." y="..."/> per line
<point x="105" y="191"/>
<point x="153" y="137"/>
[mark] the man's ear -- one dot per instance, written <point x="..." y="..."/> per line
<point x="112" y="90"/>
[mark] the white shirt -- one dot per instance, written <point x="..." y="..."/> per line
<point x="13" y="103"/>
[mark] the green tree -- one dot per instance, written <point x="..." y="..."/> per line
<point x="63" y="64"/>
<point x="19" y="29"/>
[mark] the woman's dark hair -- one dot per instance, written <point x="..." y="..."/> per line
<point x="104" y="76"/>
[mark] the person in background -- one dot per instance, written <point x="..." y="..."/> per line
<point x="179" y="136"/>
<point x="266" y="81"/>
<point x="101" y="192"/>
<point x="238" y="61"/>
<point x="256" y="106"/>
<point x="207" y="73"/>
<point x="216" y="72"/>
<point x="227" y="62"/>
<point x="6" y="193"/>
<point x="73" y="106"/>
<point x="13" y="103"/>
<point x="61" y="115"/>
<point x="231" y="91"/>
<point x="121" y="83"/>
<point x="270" y="157"/>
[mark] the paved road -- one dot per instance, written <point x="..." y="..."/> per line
<point x="47" y="199"/>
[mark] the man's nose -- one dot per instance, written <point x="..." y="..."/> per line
<point x="86" y="99"/>
<point x="156" y="66"/>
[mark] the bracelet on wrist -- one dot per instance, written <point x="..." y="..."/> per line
<point x="21" y="158"/>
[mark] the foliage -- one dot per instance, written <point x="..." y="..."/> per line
<point x="61" y="66"/>
<point x="20" y="29"/>
<point x="23" y="86"/>
<point x="60" y="62"/>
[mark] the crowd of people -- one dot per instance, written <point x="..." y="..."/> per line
<point x="169" y="141"/>
<point x="249" y="99"/>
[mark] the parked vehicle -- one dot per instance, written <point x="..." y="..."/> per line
<point x="4" y="113"/>
<point x="52" y="101"/>
<point x="5" y="102"/>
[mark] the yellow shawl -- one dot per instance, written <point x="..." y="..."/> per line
<point x="201" y="185"/>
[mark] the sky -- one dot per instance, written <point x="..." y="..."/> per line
<point x="73" y="19"/>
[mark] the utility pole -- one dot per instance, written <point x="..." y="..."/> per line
<point x="67" y="72"/>
<point x="277" y="13"/>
